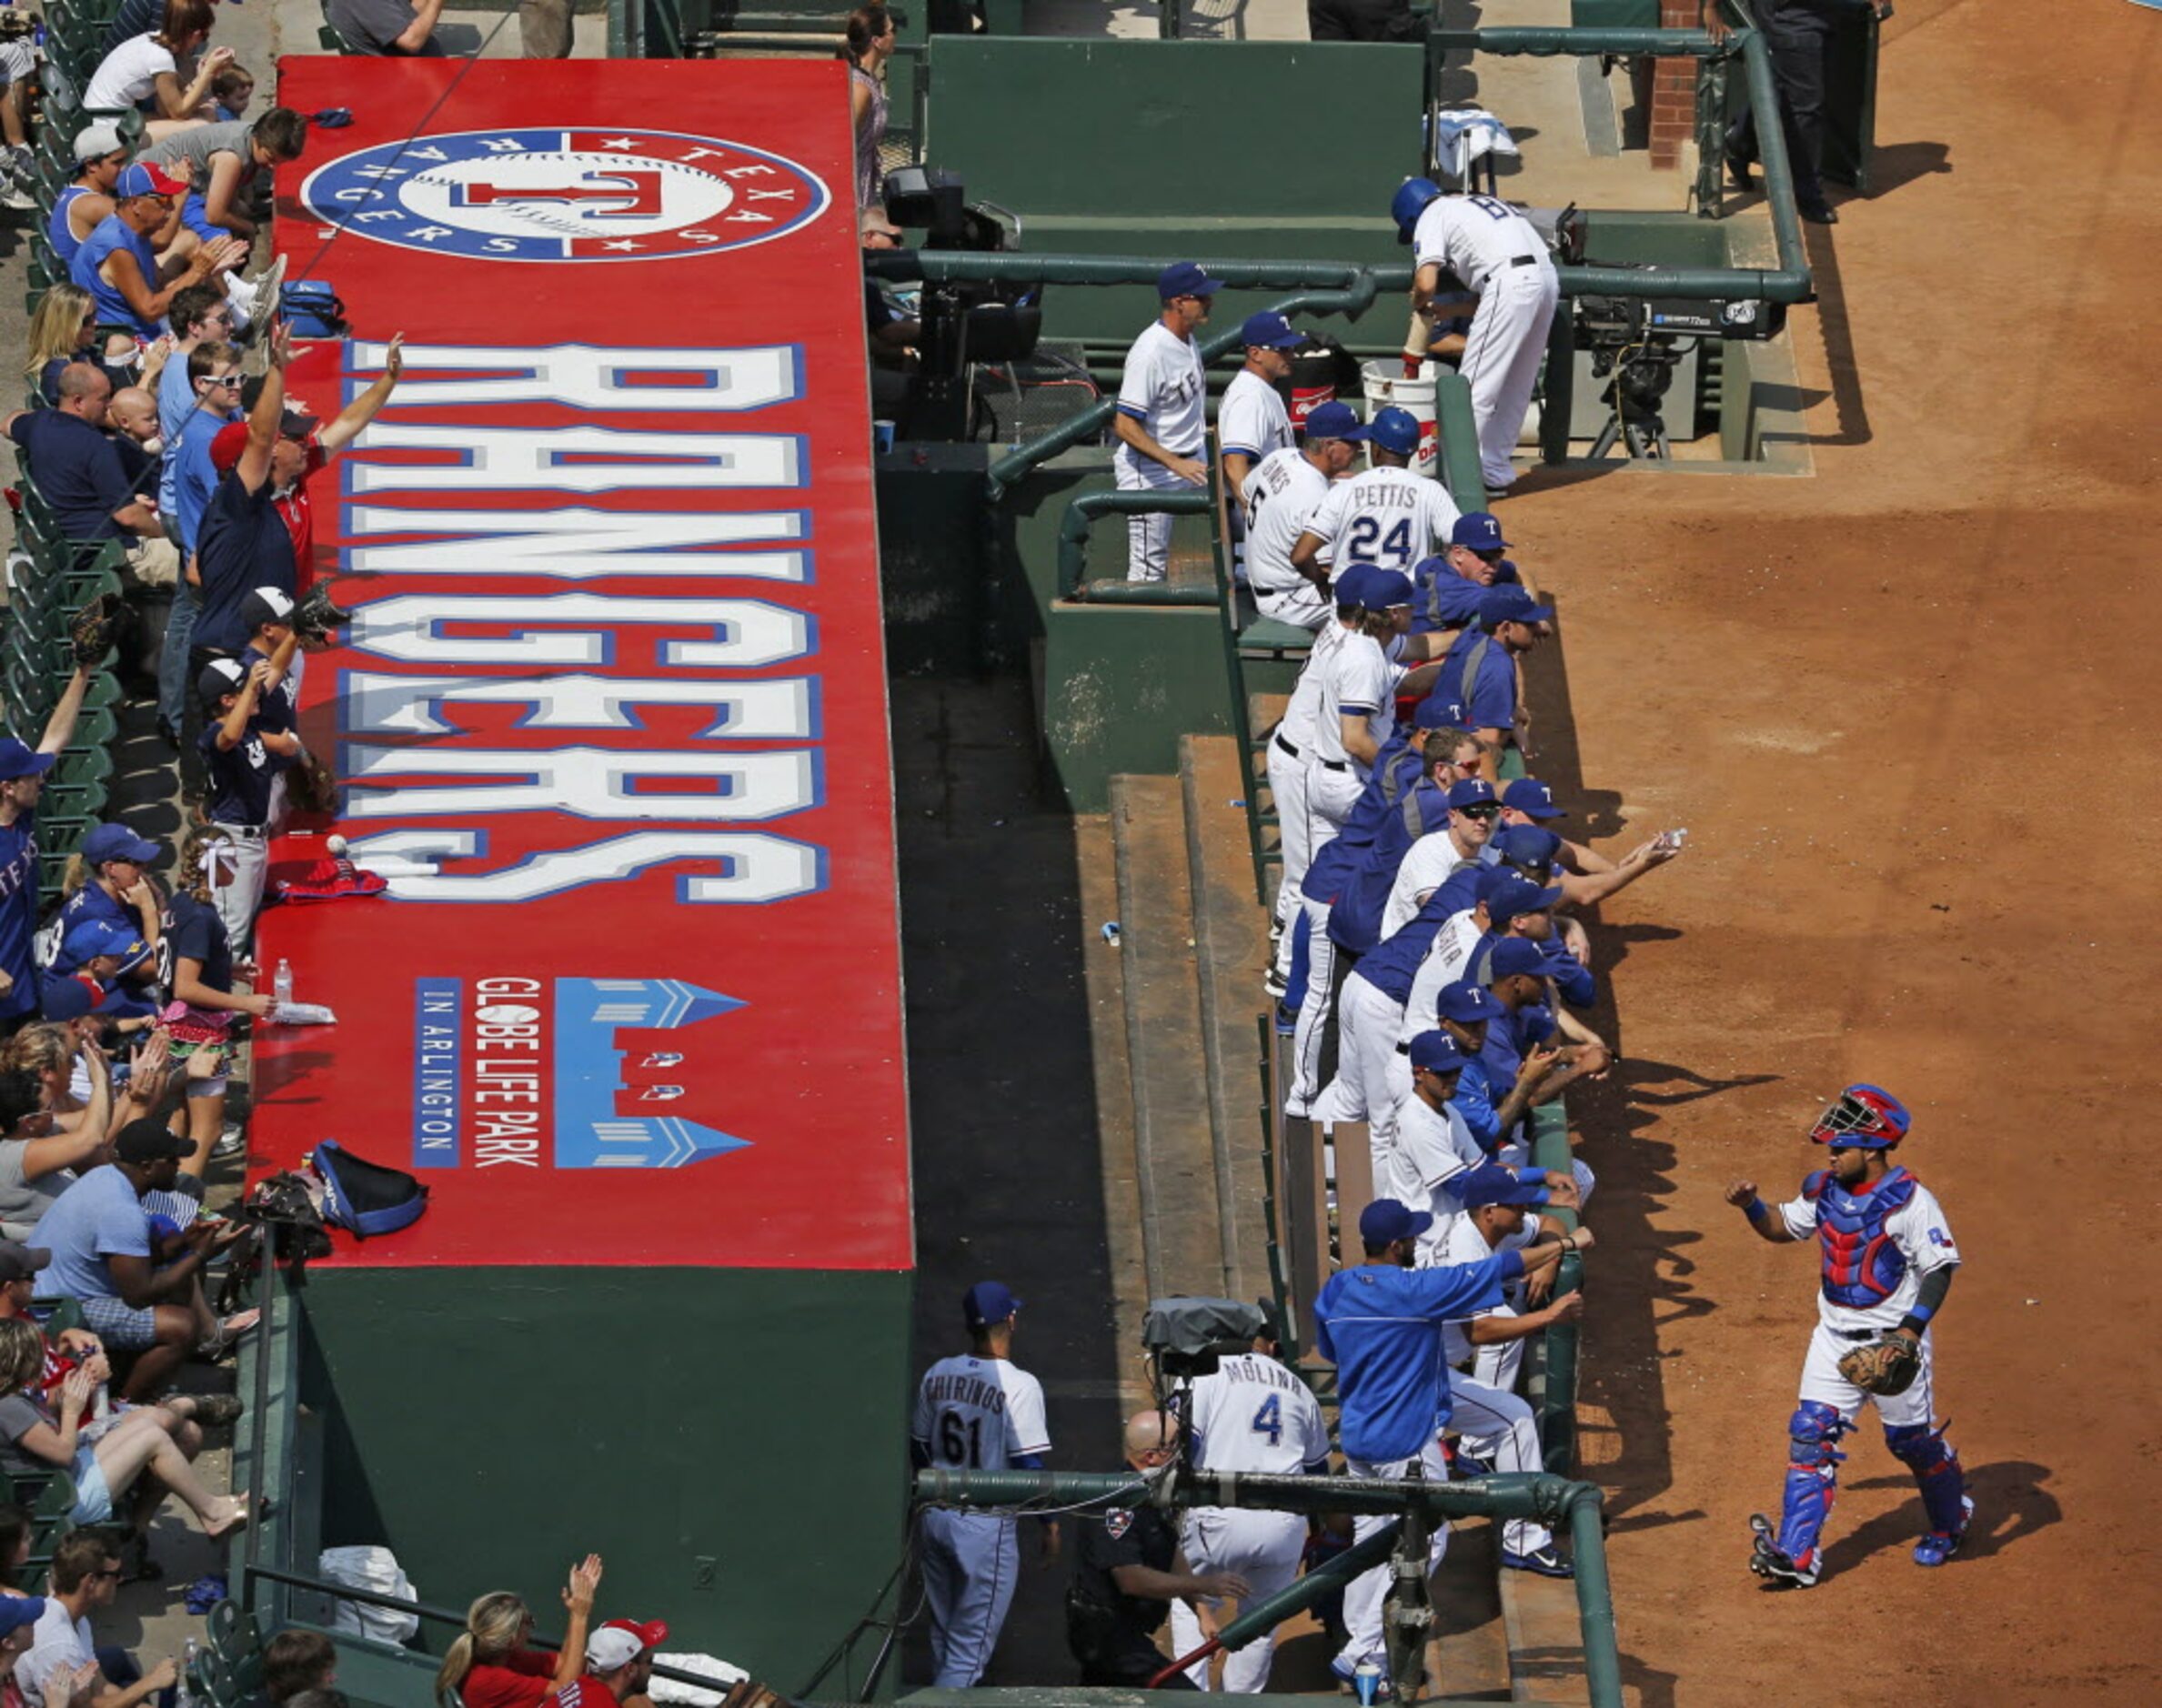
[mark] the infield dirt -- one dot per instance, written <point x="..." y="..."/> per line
<point x="1908" y="710"/>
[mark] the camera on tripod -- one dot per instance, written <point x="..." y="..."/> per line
<point x="963" y="320"/>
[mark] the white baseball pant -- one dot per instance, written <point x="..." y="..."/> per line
<point x="1263" y="1548"/>
<point x="971" y="1563"/>
<point x="1287" y="787"/>
<point x="1148" y="537"/>
<point x="1302" y="606"/>
<point x="1368" y="1021"/>
<point x="1500" y="1427"/>
<point x="240" y="900"/>
<point x="1502" y="353"/>
<point x="1364" y="1596"/>
<point x="1821" y="1381"/>
<point x="1313" y="1031"/>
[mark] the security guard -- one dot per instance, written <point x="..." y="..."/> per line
<point x="1127" y="1572"/>
<point x="1800" y="35"/>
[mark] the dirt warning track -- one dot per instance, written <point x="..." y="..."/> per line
<point x="1907" y="709"/>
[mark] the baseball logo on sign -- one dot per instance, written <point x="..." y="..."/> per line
<point x="566" y="195"/>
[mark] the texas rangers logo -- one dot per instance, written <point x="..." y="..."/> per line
<point x="566" y="195"/>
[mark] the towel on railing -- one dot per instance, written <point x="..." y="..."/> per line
<point x="1464" y="135"/>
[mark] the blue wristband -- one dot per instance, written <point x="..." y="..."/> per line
<point x="1918" y="1317"/>
<point x="1757" y="1209"/>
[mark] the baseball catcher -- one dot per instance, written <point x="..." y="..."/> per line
<point x="1887" y="1257"/>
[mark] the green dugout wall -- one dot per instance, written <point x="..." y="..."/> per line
<point x="732" y="1442"/>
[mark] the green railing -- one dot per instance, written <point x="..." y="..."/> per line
<point x="1547" y="1499"/>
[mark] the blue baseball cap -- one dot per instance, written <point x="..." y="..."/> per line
<point x="1514" y="897"/>
<point x="1533" y="798"/>
<point x="1271" y="331"/>
<point x="1525" y="845"/>
<point x="1469" y="792"/>
<point x="1509" y="604"/>
<point x="1439" y="710"/>
<point x="17" y="760"/>
<point x="1333" y="420"/>
<point x="1385" y="1221"/>
<point x="1437" y="1053"/>
<point x="1386" y="588"/>
<point x="69" y="996"/>
<point x="1351" y="584"/>
<point x="105" y="936"/>
<point x="17" y="1611"/>
<point x="1478" y="530"/>
<point x="1492" y="1184"/>
<point x="146" y="177"/>
<point x="1514" y="955"/>
<point x="1464" y="1002"/>
<point x="1396" y="430"/>
<point x="1185" y="278"/>
<point x="987" y="1303"/>
<point x="117" y="842"/>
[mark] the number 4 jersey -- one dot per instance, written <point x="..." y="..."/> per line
<point x="1251" y="1414"/>
<point x="979" y="1414"/>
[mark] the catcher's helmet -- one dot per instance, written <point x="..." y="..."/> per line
<point x="1409" y="202"/>
<point x="1865" y="1117"/>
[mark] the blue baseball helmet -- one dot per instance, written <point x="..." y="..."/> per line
<point x="1409" y="202"/>
<point x="1396" y="430"/>
<point x="1863" y="1117"/>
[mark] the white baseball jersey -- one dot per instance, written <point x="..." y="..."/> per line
<point x="1917" y="1228"/>
<point x="1165" y="389"/>
<point x="1426" y="863"/>
<point x="1356" y="681"/>
<point x="1254" y="1414"/>
<point x="1297" y="725"/>
<point x="1282" y="493"/>
<point x="1472" y="236"/>
<point x="1251" y="421"/>
<point x="1447" y="956"/>
<point x="1467" y="1244"/>
<point x="977" y="1413"/>
<point x="1385" y="516"/>
<point x="1432" y="1147"/>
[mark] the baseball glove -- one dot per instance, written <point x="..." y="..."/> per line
<point x="1888" y="1364"/>
<point x="319" y="617"/>
<point x="96" y="629"/>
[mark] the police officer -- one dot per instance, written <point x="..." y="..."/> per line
<point x="1799" y="34"/>
<point x="1127" y="1569"/>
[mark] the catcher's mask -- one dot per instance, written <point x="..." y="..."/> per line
<point x="1863" y="1117"/>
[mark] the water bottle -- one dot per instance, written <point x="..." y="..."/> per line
<point x="1367" y="1678"/>
<point x="184" y="1694"/>
<point x="281" y="984"/>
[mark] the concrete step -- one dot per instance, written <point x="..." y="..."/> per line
<point x="1470" y="1652"/>
<point x="1232" y="953"/>
<point x="1174" y="1136"/>
<point x="1103" y="971"/>
<point x="1545" y="1637"/>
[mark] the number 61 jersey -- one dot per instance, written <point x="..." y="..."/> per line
<point x="979" y="1414"/>
<point x="1251" y="1414"/>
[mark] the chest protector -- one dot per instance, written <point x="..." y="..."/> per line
<point x="1863" y="1265"/>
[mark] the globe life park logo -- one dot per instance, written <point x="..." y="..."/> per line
<point x="565" y="195"/>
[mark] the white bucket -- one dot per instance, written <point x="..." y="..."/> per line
<point x="1385" y="385"/>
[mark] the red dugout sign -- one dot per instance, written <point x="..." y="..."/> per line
<point x="611" y="714"/>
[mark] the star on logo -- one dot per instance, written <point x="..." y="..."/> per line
<point x="620" y="142"/>
<point x="620" y="242"/>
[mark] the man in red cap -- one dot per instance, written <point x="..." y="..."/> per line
<point x="118" y="266"/>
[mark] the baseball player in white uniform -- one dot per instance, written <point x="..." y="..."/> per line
<point x="1357" y="713"/>
<point x="975" y="1411"/>
<point x="1253" y="421"/>
<point x="1162" y="421"/>
<point x="1492" y="1425"/>
<point x="1500" y="253"/>
<point x="1281" y="496"/>
<point x="1887" y="1259"/>
<point x="1385" y="515"/>
<point x="1251" y="1414"/>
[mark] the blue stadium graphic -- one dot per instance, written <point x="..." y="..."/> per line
<point x="590" y="1133"/>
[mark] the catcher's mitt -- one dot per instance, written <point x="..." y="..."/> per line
<point x="96" y="629"/>
<point x="319" y="617"/>
<point x="1886" y="1365"/>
